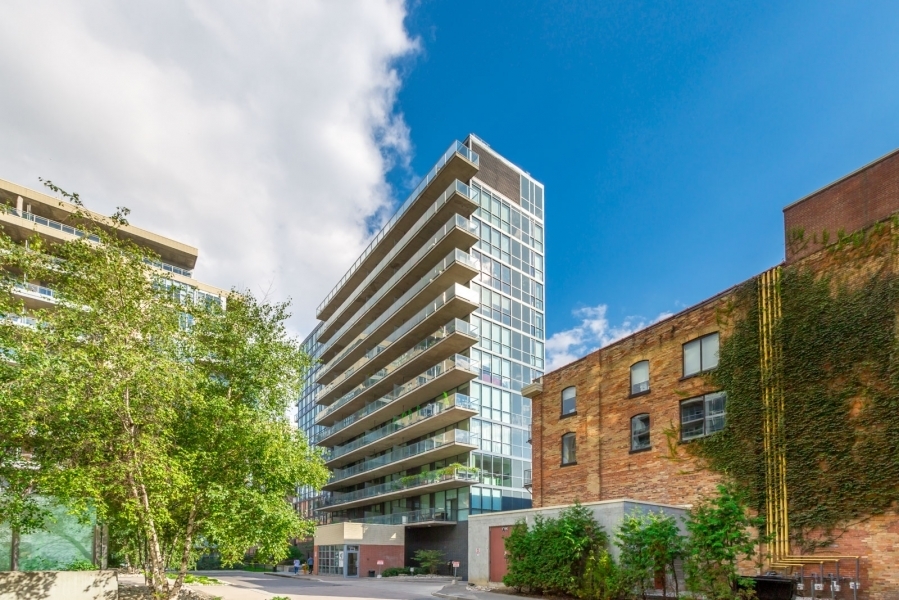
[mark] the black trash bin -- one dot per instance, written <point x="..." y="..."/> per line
<point x="774" y="587"/>
<point x="371" y="573"/>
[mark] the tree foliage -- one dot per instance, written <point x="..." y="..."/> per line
<point x="429" y="560"/>
<point x="551" y="556"/>
<point x="649" y="544"/>
<point x="721" y="535"/>
<point x="164" y="410"/>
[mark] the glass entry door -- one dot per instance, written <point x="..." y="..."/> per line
<point x="352" y="561"/>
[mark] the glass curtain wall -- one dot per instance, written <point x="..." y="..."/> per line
<point x="511" y="347"/>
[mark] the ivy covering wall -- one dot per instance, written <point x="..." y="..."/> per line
<point x="840" y="383"/>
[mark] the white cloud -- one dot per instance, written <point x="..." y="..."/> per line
<point x="260" y="132"/>
<point x="593" y="332"/>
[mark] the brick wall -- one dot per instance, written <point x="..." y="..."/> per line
<point x="606" y="467"/>
<point x="856" y="201"/>
<point x="370" y="554"/>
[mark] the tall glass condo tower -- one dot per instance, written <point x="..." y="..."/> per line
<point x="423" y="347"/>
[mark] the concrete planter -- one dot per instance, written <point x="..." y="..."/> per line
<point x="59" y="585"/>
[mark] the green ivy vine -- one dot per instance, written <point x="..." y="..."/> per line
<point x="840" y="384"/>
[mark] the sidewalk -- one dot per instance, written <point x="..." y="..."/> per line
<point x="342" y="579"/>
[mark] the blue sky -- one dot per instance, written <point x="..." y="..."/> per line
<point x="669" y="135"/>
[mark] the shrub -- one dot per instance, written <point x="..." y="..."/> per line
<point x="80" y="565"/>
<point x="429" y="559"/>
<point x="649" y="544"/>
<point x="602" y="578"/>
<point x="551" y="556"/>
<point x="719" y="537"/>
<point x="394" y="571"/>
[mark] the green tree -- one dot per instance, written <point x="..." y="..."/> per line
<point x="164" y="410"/>
<point x="20" y="471"/>
<point x="602" y="578"/>
<point x="429" y="559"/>
<point x="650" y="543"/>
<point x="720" y="536"/>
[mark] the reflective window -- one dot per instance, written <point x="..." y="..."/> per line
<point x="569" y="401"/>
<point x="701" y="354"/>
<point x="640" y="377"/>
<point x="702" y="416"/>
<point x="569" y="449"/>
<point x="640" y="432"/>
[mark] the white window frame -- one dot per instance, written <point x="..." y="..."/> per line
<point x="705" y="363"/>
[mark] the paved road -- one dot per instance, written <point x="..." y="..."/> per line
<point x="258" y="586"/>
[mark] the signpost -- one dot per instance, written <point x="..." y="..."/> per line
<point x="380" y="564"/>
<point x="456" y="565"/>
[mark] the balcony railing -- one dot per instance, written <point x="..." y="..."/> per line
<point x="424" y="515"/>
<point x="426" y="412"/>
<point x="170" y="268"/>
<point x="21" y="320"/>
<point x="43" y="292"/>
<point x="399" y="485"/>
<point x="430" y="341"/>
<point x="455" y="148"/>
<point x="456" y="291"/>
<point x="456" y="255"/>
<point x="51" y="223"/>
<point x="457" y="436"/>
<point x="83" y="234"/>
<point x="456" y="362"/>
<point x="456" y="221"/>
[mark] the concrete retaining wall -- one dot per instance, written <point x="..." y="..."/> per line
<point x="59" y="585"/>
<point x="608" y="513"/>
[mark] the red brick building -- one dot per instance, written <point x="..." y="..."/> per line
<point x="614" y="424"/>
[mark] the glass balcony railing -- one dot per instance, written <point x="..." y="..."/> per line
<point x="424" y="515"/>
<point x="398" y="485"/>
<point x="51" y="223"/>
<point x="454" y="256"/>
<point x="457" y="290"/>
<point x="455" y="148"/>
<point x="455" y="221"/>
<point x="21" y="320"/>
<point x="34" y="289"/>
<point x="456" y="362"/>
<point x="170" y="268"/>
<point x="431" y="340"/>
<point x="457" y="436"/>
<point x="83" y="234"/>
<point x="424" y="413"/>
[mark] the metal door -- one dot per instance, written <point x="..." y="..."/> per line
<point x="497" y="549"/>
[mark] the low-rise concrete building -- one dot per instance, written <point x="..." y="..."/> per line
<point x="486" y="549"/>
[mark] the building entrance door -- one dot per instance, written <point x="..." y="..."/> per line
<point x="497" y="549"/>
<point x="352" y="561"/>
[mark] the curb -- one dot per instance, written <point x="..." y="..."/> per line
<point x="289" y="576"/>
<point x="452" y="597"/>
